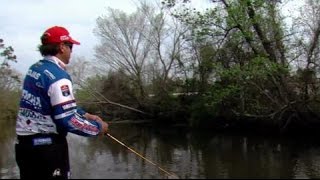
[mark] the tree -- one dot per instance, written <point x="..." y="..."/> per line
<point x="146" y="45"/>
<point x="251" y="57"/>
<point x="9" y="83"/>
<point x="124" y="44"/>
<point x="306" y="47"/>
<point x="79" y="69"/>
<point x="9" y="78"/>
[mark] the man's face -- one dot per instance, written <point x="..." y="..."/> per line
<point x="66" y="50"/>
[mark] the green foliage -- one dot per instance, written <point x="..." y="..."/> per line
<point x="261" y="68"/>
<point x="9" y="104"/>
<point x="248" y="84"/>
<point x="242" y="74"/>
<point x="166" y="108"/>
<point x="201" y="112"/>
<point x="88" y="95"/>
<point x="234" y="91"/>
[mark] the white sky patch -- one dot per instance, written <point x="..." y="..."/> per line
<point x="23" y="22"/>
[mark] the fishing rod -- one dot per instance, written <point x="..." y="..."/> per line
<point x="171" y="175"/>
<point x="109" y="101"/>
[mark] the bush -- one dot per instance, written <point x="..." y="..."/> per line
<point x="9" y="101"/>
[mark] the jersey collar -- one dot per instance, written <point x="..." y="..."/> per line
<point x="57" y="61"/>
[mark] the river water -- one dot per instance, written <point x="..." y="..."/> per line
<point x="187" y="155"/>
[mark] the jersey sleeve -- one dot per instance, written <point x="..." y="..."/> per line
<point x="80" y="111"/>
<point x="67" y="115"/>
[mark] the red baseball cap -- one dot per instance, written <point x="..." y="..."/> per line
<point x="57" y="34"/>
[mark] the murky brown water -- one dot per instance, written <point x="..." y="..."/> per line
<point x="187" y="155"/>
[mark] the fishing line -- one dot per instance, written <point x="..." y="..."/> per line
<point x="170" y="175"/>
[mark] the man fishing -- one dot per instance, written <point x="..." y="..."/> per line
<point x="48" y="111"/>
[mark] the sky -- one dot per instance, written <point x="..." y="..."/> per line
<point x="22" y="22"/>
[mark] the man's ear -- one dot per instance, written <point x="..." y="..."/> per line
<point x="62" y="48"/>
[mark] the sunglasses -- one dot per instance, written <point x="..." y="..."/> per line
<point x="69" y="45"/>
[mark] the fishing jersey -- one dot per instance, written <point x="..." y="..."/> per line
<point x="48" y="104"/>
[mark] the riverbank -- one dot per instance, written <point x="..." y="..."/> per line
<point x="264" y="127"/>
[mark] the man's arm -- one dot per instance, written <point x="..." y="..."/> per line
<point x="68" y="116"/>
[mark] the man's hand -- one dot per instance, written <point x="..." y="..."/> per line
<point x="92" y="117"/>
<point x="104" y="125"/>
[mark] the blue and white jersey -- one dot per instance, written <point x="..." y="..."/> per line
<point x="48" y="104"/>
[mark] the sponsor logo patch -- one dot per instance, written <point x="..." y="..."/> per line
<point x="68" y="106"/>
<point x="42" y="141"/>
<point x="84" y="126"/>
<point x="33" y="74"/>
<point x="31" y="99"/>
<point x="49" y="74"/>
<point x="64" y="38"/>
<point x="65" y="90"/>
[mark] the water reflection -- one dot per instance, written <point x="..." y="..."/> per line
<point x="188" y="155"/>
